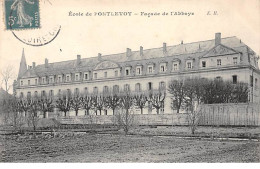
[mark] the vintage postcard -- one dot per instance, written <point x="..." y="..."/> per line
<point x="163" y="81"/>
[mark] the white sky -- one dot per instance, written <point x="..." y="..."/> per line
<point x="108" y="35"/>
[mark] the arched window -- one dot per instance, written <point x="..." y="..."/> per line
<point x="150" y="86"/>
<point x="138" y="87"/>
<point x="162" y="86"/>
<point x="68" y="93"/>
<point x="85" y="90"/>
<point x="21" y="95"/>
<point x="51" y="93"/>
<point x="126" y="87"/>
<point x="95" y="90"/>
<point x="35" y="94"/>
<point x="76" y="92"/>
<point x="29" y="96"/>
<point x="115" y="89"/>
<point x="43" y="93"/>
<point x="105" y="90"/>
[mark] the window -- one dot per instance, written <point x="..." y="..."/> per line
<point x="86" y="76"/>
<point x="95" y="90"/>
<point x="76" y="92"/>
<point x="28" y="95"/>
<point x="51" y="93"/>
<point x="137" y="87"/>
<point x="189" y="65"/>
<point x="29" y="82"/>
<point x="43" y="80"/>
<point x="116" y="73"/>
<point x="138" y="71"/>
<point x="36" y="81"/>
<point x="256" y="85"/>
<point x="59" y="93"/>
<point x="127" y="72"/>
<point x="162" y="86"/>
<point x="175" y="66"/>
<point x="218" y="62"/>
<point x="51" y="80"/>
<point x="35" y="94"/>
<point x="234" y="60"/>
<point x="162" y="68"/>
<point x="105" y="74"/>
<point x="115" y="89"/>
<point x="218" y="78"/>
<point x="105" y="90"/>
<point x="43" y="95"/>
<point x="86" y="90"/>
<point x="76" y="77"/>
<point x="95" y="75"/>
<point x="21" y="95"/>
<point x="251" y="80"/>
<point x="150" y="69"/>
<point x="234" y="77"/>
<point x="126" y="87"/>
<point x="150" y="86"/>
<point x="21" y="83"/>
<point x="59" y="79"/>
<point x="203" y="63"/>
<point x="67" y="78"/>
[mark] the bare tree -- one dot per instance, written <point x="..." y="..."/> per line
<point x="7" y="75"/>
<point x="175" y="88"/>
<point x="140" y="101"/>
<point x="16" y="118"/>
<point x="124" y="116"/>
<point x="98" y="103"/>
<point x="87" y="103"/>
<point x="33" y="112"/>
<point x="113" y="102"/>
<point x="46" y="105"/>
<point x="157" y="100"/>
<point x="76" y="103"/>
<point x="64" y="104"/>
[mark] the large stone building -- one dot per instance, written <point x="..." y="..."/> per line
<point x="227" y="58"/>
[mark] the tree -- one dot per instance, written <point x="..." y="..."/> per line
<point x="240" y="93"/>
<point x="157" y="100"/>
<point x="98" y="103"/>
<point x="16" y="117"/>
<point x="113" y="102"/>
<point x="33" y="112"/>
<point x="76" y="103"/>
<point x="87" y="103"/>
<point x="7" y="75"/>
<point x="125" y="118"/>
<point x="64" y="104"/>
<point x="175" y="88"/>
<point x="140" y="101"/>
<point x="46" y="105"/>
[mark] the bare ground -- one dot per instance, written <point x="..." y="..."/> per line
<point x="120" y="148"/>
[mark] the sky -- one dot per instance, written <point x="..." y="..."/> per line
<point x="90" y="35"/>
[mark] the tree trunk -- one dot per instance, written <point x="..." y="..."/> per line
<point x="113" y="111"/>
<point x="141" y="110"/>
<point x="100" y="112"/>
<point x="44" y="114"/>
<point x="76" y="112"/>
<point x="65" y="114"/>
<point x="157" y="110"/>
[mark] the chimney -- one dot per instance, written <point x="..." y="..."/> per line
<point x="164" y="47"/>
<point x="217" y="39"/>
<point x="78" y="59"/>
<point x="141" y="51"/>
<point x="33" y="64"/>
<point x="128" y="52"/>
<point x="99" y="56"/>
<point x="46" y="62"/>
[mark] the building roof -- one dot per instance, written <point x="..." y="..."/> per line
<point x="181" y="52"/>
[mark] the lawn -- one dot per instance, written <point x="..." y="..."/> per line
<point x="87" y="147"/>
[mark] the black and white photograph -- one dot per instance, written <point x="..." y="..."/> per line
<point x="130" y="82"/>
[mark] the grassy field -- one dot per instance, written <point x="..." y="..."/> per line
<point x="74" y="147"/>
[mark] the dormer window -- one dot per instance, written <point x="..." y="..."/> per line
<point x="77" y="77"/>
<point x="203" y="63"/>
<point x="59" y="79"/>
<point x="127" y="71"/>
<point x="51" y="80"/>
<point x="189" y="65"/>
<point x="86" y="76"/>
<point x="163" y="67"/>
<point x="150" y="69"/>
<point x="67" y="78"/>
<point x="234" y="60"/>
<point x="43" y="80"/>
<point x="138" y="70"/>
<point x="218" y="62"/>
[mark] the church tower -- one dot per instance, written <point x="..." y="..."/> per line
<point x="23" y="66"/>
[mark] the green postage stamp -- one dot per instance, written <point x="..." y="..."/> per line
<point x="21" y="14"/>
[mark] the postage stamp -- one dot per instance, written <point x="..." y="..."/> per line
<point x="21" y="14"/>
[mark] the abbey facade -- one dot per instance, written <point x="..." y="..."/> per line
<point x="144" y="70"/>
